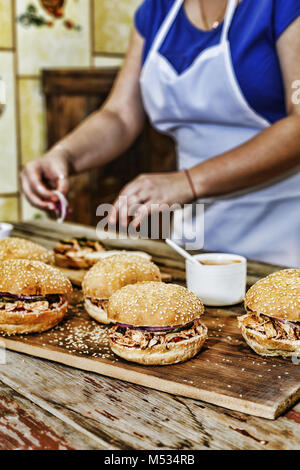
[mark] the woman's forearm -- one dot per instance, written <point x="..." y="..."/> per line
<point x="99" y="139"/>
<point x="269" y="155"/>
<point x="108" y="133"/>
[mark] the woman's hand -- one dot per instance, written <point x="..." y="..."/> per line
<point x="146" y="190"/>
<point x="42" y="177"/>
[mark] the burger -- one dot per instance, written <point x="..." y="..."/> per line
<point x="33" y="296"/>
<point x="19" y="248"/>
<point x="156" y="323"/>
<point x="82" y="253"/>
<point x="271" y="326"/>
<point x="109" y="275"/>
<point x="77" y="253"/>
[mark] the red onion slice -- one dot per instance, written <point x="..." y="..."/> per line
<point x="61" y="207"/>
<point x="281" y="320"/>
<point x="154" y="329"/>
<point x="19" y="297"/>
<point x="287" y="322"/>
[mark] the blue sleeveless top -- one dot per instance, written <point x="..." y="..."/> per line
<point x="256" y="27"/>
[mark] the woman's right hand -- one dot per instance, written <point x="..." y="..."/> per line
<point x="40" y="178"/>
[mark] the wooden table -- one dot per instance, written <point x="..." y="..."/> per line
<point x="44" y="405"/>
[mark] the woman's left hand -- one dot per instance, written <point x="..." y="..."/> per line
<point x="147" y="190"/>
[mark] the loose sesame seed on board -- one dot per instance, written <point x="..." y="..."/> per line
<point x="85" y="339"/>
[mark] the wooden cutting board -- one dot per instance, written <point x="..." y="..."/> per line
<point x="226" y="373"/>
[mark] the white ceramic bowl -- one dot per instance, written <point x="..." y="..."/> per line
<point x="5" y="230"/>
<point x="218" y="285"/>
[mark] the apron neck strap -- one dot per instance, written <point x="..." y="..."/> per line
<point x="167" y="25"/>
<point x="232" y="4"/>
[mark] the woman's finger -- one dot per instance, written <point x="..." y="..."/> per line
<point x="32" y="197"/>
<point x="123" y="211"/>
<point x="63" y="185"/>
<point x="36" y="183"/>
<point x="114" y="213"/>
<point x="143" y="211"/>
<point x="133" y="187"/>
<point x="134" y="201"/>
<point x="128" y="205"/>
<point x="120" y="204"/>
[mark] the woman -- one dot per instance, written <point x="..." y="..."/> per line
<point x="217" y="76"/>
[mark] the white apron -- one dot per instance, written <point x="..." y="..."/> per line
<point x="205" y="112"/>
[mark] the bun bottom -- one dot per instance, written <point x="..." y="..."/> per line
<point x="178" y="352"/>
<point x="97" y="313"/>
<point x="17" y="323"/>
<point x="76" y="276"/>
<point x="267" y="346"/>
<point x="72" y="262"/>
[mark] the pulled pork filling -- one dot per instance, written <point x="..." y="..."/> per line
<point x="135" y="338"/>
<point x="78" y="245"/>
<point x="273" y="328"/>
<point x="40" y="304"/>
<point x="99" y="303"/>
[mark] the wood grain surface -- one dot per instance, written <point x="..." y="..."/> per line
<point x="226" y="372"/>
<point x="88" y="410"/>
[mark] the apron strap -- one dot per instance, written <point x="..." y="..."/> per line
<point x="228" y="19"/>
<point x="232" y="4"/>
<point x="166" y="25"/>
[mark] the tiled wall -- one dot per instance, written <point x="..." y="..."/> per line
<point x="73" y="33"/>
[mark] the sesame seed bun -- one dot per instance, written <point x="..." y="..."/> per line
<point x="177" y="352"/>
<point x="31" y="278"/>
<point x="19" y="248"/>
<point x="277" y="295"/>
<point x="25" y="277"/>
<point x="112" y="273"/>
<point x="154" y="304"/>
<point x="97" y="313"/>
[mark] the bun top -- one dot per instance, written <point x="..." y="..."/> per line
<point x="154" y="304"/>
<point x="19" y="248"/>
<point x="277" y="295"/>
<point x="25" y="277"/>
<point x="114" y="272"/>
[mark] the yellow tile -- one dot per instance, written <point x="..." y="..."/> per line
<point x="8" y="209"/>
<point x="107" y="61"/>
<point x="56" y="46"/>
<point x="8" y="139"/>
<point x="32" y="119"/>
<point x="112" y="24"/>
<point x="29" y="212"/>
<point x="6" y="24"/>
